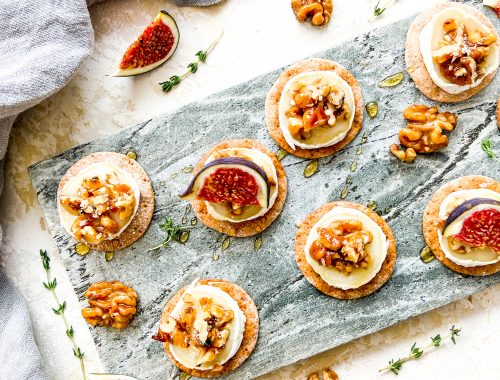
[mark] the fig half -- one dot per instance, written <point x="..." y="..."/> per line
<point x="230" y="179"/>
<point x="455" y="220"/>
<point x="153" y="47"/>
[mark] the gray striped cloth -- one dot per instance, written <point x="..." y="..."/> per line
<point x="39" y="54"/>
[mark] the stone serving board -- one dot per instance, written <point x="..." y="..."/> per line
<point x="297" y="321"/>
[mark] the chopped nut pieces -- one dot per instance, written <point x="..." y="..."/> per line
<point x="318" y="12"/>
<point x="342" y="245"/>
<point x="112" y="304"/>
<point x="462" y="52"/>
<point x="315" y="105"/>
<point x="201" y="324"/>
<point x="103" y="207"/>
<point x="424" y="133"/>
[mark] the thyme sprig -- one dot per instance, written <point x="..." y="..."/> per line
<point x="380" y="8"/>
<point x="487" y="147"/>
<point x="191" y="68"/>
<point x="415" y="352"/>
<point x="173" y="232"/>
<point x="60" y="309"/>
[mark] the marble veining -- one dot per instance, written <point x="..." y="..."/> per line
<point x="297" y="321"/>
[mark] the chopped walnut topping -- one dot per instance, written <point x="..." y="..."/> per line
<point x="201" y="324"/>
<point x="424" y="133"/>
<point x="342" y="245"/>
<point x="112" y="304"/>
<point x="314" y="105"/>
<point x="103" y="207"/>
<point x="318" y="12"/>
<point x="462" y="52"/>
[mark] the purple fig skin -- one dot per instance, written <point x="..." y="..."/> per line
<point x="228" y="161"/>
<point x="466" y="206"/>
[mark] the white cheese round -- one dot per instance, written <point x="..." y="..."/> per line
<point x="189" y="356"/>
<point x="101" y="170"/>
<point x="476" y="257"/>
<point x="433" y="33"/>
<point x="321" y="136"/>
<point x="377" y="249"/>
<point x="220" y="211"/>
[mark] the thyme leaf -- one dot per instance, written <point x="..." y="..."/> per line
<point x="191" y="68"/>
<point x="487" y="147"/>
<point x="395" y="366"/>
<point x="173" y="232"/>
<point x="50" y="285"/>
<point x="380" y="8"/>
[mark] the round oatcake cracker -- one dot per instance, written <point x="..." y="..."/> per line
<point x="250" y="334"/>
<point x="432" y="223"/>
<point x="273" y="100"/>
<point x="250" y="227"/>
<point x="142" y="218"/>
<point x="315" y="279"/>
<point x="415" y="63"/>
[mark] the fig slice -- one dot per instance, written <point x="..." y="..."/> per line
<point x="475" y="222"/>
<point x="153" y="47"/>
<point x="230" y="179"/>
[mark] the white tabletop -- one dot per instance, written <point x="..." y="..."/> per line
<point x="260" y="35"/>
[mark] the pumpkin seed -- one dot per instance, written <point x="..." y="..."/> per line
<point x="257" y="243"/>
<point x="392" y="80"/>
<point x="226" y="242"/>
<point x="372" y="109"/>
<point x="188" y="169"/>
<point x="372" y="205"/>
<point x="184" y="237"/>
<point x="132" y="155"/>
<point x="387" y="210"/>
<point x="184" y="376"/>
<point x="348" y="180"/>
<point x="311" y="168"/>
<point x="281" y="154"/>
<point x="215" y="257"/>
<point x="359" y="151"/>
<point x="344" y="192"/>
<point x="109" y="256"/>
<point x="194" y="221"/>
<point x="354" y="166"/>
<point x="82" y="249"/>
<point x="364" y="138"/>
<point x="184" y="220"/>
<point x="426" y="255"/>
<point x="173" y="175"/>
<point x="410" y="69"/>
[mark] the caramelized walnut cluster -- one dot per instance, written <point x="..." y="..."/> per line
<point x="201" y="324"/>
<point x="318" y="12"/>
<point x="327" y="374"/>
<point x="462" y="52"/>
<point x="314" y="105"/>
<point x="103" y="207"/>
<point x="342" y="246"/>
<point x="424" y="132"/>
<point x="112" y="304"/>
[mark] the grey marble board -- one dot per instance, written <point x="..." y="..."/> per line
<point x="297" y="321"/>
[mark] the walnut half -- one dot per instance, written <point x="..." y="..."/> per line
<point x="112" y="304"/>
<point x="424" y="132"/>
<point x="318" y="12"/>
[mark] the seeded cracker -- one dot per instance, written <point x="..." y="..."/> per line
<point x="250" y="227"/>
<point x="250" y="334"/>
<point x="274" y="95"/>
<point x="431" y="221"/>
<point x="315" y="279"/>
<point x="415" y="61"/>
<point x="142" y="218"/>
